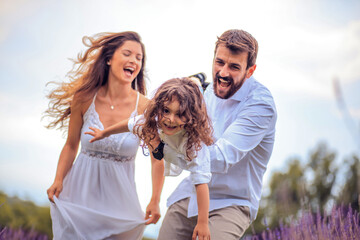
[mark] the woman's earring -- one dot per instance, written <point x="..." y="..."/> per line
<point x="108" y="62"/>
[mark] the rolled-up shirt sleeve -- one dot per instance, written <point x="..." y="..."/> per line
<point x="198" y="167"/>
<point x="243" y="135"/>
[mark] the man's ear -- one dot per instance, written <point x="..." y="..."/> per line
<point x="250" y="71"/>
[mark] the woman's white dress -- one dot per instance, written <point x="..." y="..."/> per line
<point x="99" y="199"/>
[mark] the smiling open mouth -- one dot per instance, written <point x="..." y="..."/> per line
<point x="223" y="82"/>
<point x="170" y="127"/>
<point x="129" y="70"/>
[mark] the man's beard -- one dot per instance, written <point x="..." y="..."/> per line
<point x="234" y="87"/>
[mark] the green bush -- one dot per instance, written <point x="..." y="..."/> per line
<point x="19" y="214"/>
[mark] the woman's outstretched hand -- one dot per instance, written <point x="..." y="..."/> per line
<point x="96" y="133"/>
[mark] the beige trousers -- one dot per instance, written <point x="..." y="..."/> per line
<point x="227" y="223"/>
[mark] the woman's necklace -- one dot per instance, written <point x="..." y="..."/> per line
<point x="111" y="105"/>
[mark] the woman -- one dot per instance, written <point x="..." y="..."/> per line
<point x="177" y="115"/>
<point x="95" y="198"/>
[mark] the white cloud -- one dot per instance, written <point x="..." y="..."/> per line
<point x="355" y="113"/>
<point x="21" y="121"/>
<point x="305" y="61"/>
<point x="349" y="62"/>
<point x="12" y="12"/>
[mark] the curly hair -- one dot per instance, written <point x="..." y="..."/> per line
<point x="192" y="108"/>
<point x="90" y="71"/>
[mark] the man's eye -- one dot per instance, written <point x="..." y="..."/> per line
<point x="219" y="61"/>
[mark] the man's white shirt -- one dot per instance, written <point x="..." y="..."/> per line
<point x="244" y="133"/>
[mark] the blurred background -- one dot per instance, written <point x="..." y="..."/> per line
<point x="309" y="58"/>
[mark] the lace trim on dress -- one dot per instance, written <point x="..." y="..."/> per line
<point x="107" y="156"/>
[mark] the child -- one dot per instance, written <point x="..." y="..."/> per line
<point x="177" y="116"/>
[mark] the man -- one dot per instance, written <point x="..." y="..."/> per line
<point x="243" y="115"/>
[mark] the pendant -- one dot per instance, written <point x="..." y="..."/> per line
<point x="112" y="107"/>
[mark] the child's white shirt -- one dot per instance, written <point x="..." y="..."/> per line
<point x="198" y="167"/>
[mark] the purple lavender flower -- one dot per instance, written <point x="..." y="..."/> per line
<point x="20" y="234"/>
<point x="343" y="224"/>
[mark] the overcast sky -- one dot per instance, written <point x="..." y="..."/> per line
<point x="303" y="46"/>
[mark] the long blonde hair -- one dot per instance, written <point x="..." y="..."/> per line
<point x="90" y="71"/>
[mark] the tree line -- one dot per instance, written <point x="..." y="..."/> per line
<point x="314" y="185"/>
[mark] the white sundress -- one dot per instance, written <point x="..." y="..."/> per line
<point x="99" y="198"/>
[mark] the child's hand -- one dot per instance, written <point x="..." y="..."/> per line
<point x="152" y="213"/>
<point x="96" y="133"/>
<point x="202" y="231"/>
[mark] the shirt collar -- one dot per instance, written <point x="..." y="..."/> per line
<point x="163" y="136"/>
<point x="243" y="92"/>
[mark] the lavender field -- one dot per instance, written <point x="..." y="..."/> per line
<point x="343" y="223"/>
<point x="7" y="233"/>
<point x="295" y="205"/>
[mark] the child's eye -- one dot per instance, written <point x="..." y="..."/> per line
<point x="166" y="110"/>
